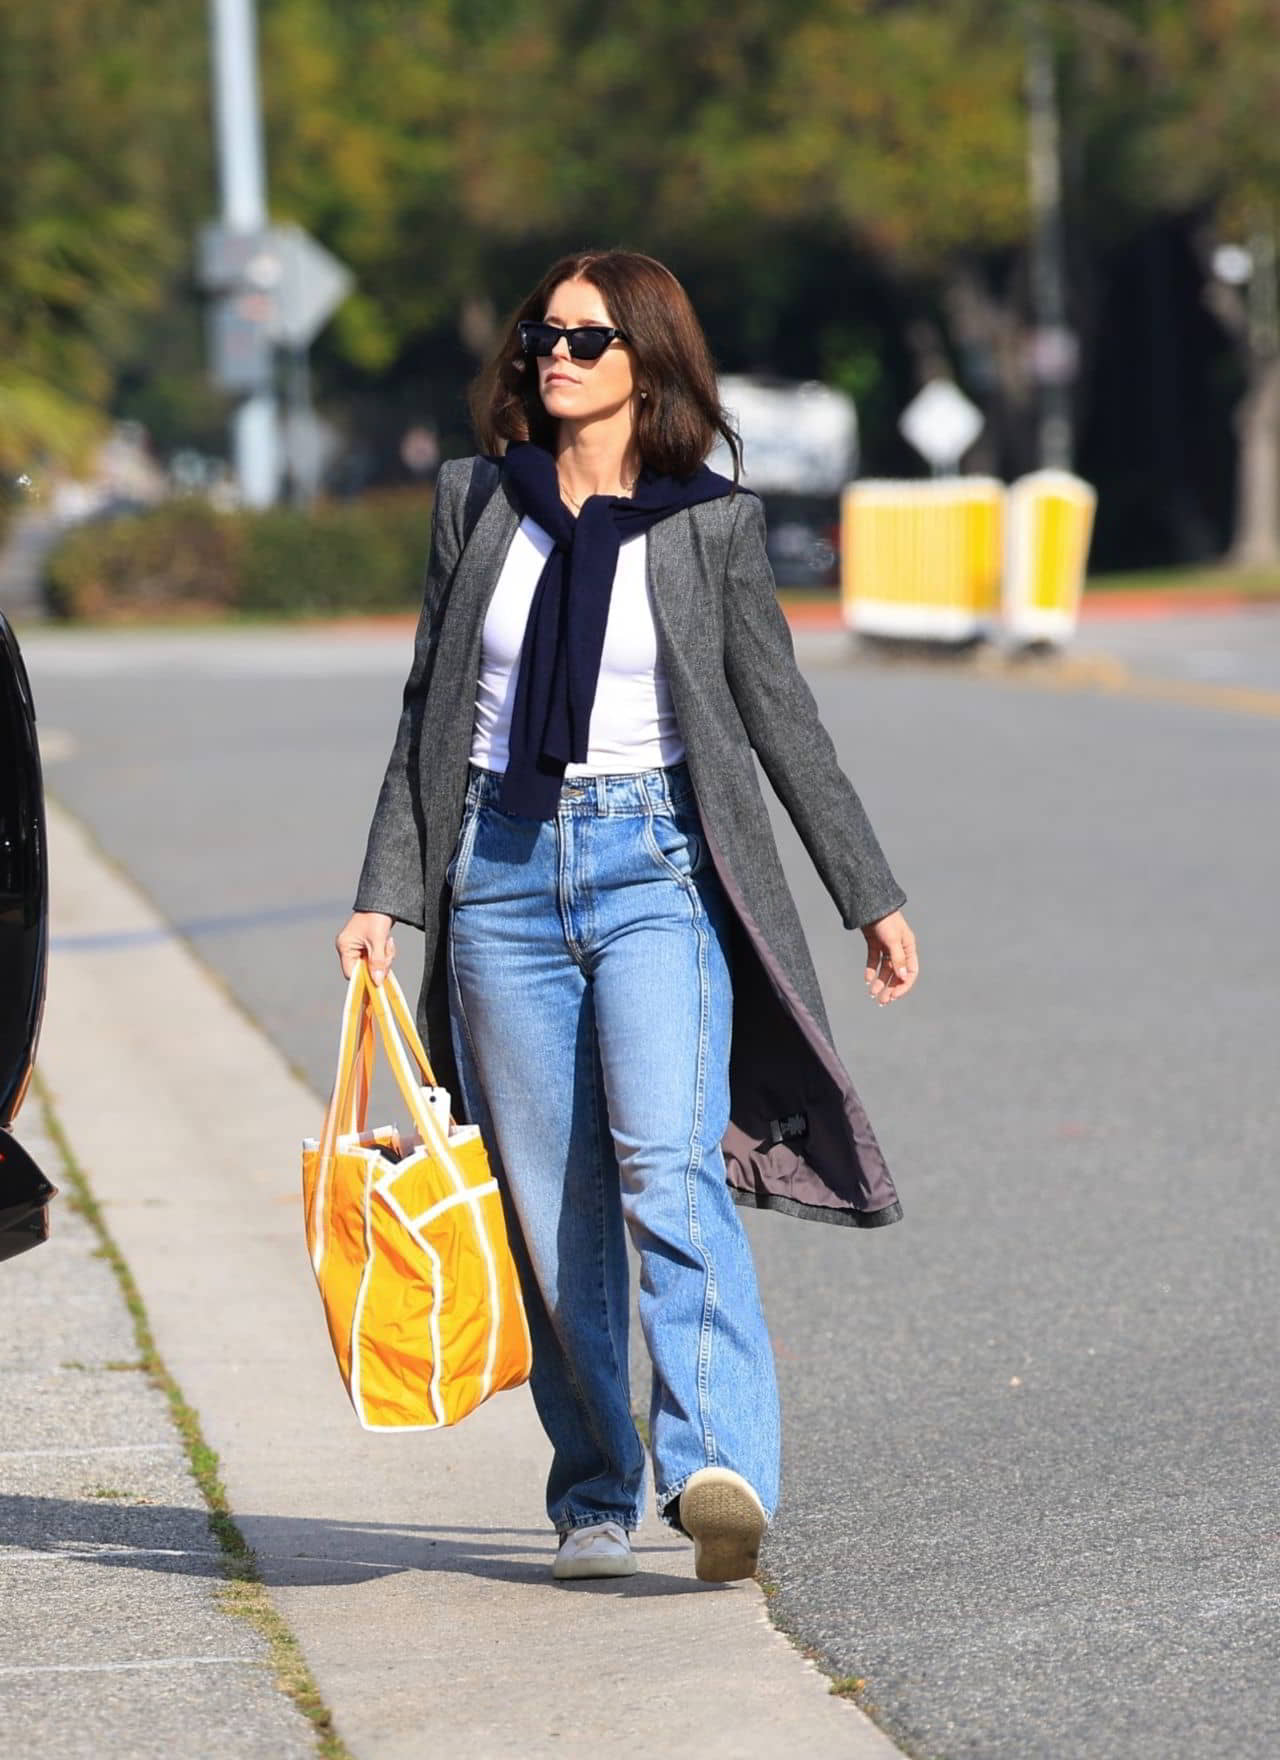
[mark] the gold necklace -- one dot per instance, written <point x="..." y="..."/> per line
<point x="627" y="489"/>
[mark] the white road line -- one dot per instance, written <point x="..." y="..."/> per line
<point x="88" y="1554"/>
<point x="119" y="1667"/>
<point x="47" y="1454"/>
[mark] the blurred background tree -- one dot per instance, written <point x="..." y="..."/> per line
<point x="104" y="170"/>
<point x="840" y="183"/>
<point x="1174" y="108"/>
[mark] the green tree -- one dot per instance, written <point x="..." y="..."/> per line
<point x="445" y="148"/>
<point x="1178" y="100"/>
<point x="103" y="139"/>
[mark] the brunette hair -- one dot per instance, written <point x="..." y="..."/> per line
<point x="678" y="421"/>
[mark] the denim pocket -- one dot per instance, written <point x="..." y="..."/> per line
<point x="461" y="848"/>
<point x="676" y="842"/>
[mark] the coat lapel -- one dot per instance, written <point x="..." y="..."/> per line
<point x="475" y="580"/>
<point x="670" y="588"/>
<point x="480" y="564"/>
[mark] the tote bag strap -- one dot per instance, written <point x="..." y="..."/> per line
<point x="384" y="1006"/>
<point x="409" y="1028"/>
<point x="348" y="1105"/>
<point x="391" y="1014"/>
<point x="484" y="480"/>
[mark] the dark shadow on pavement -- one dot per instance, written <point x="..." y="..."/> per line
<point x="301" y="1553"/>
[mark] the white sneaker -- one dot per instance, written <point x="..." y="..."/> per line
<point x="726" y="1520"/>
<point x="602" y="1550"/>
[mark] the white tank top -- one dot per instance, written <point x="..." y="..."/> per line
<point x="633" y="722"/>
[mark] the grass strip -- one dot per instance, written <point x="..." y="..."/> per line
<point x="243" y="1595"/>
<point x="1260" y="583"/>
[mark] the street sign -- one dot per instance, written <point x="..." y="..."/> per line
<point x="238" y="259"/>
<point x="303" y="283"/>
<point x="941" y="423"/>
<point x="313" y="284"/>
<point x="239" y="343"/>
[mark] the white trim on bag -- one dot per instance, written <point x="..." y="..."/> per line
<point x="441" y="1139"/>
<point x="452" y="1201"/>
<point x="357" y="1316"/>
<point x="322" y="1181"/>
<point x="381" y="1188"/>
<point x="357" y="1312"/>
<point x="437" y="1279"/>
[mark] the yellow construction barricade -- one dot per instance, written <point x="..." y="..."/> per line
<point x="922" y="558"/>
<point x="1050" y="524"/>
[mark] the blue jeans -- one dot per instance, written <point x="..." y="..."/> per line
<point x="591" y="1007"/>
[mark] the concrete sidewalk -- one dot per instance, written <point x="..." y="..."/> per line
<point x="413" y="1570"/>
<point x="117" y="1638"/>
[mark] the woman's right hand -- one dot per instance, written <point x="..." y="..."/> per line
<point x="367" y="935"/>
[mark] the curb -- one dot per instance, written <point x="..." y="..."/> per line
<point x="1153" y="602"/>
<point x="818" y="614"/>
<point x="1095" y="607"/>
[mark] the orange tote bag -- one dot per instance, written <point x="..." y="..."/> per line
<point x="407" y="1236"/>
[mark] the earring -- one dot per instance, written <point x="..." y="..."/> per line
<point x="644" y="394"/>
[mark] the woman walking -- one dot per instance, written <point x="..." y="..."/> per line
<point x="616" y="984"/>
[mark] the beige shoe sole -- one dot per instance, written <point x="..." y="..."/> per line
<point x="726" y="1520"/>
<point x="576" y="1570"/>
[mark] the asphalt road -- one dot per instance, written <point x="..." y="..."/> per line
<point x="1240" y="647"/>
<point x="1030" y="1437"/>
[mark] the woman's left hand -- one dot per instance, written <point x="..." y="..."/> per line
<point x="892" y="966"/>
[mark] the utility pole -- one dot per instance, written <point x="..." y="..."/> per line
<point x="242" y="184"/>
<point x="1257" y="538"/>
<point x="1054" y="349"/>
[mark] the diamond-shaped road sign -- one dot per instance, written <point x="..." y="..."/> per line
<point x="313" y="284"/>
<point x="941" y="423"/>
<point x="300" y="282"/>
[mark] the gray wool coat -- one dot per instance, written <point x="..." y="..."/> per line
<point x="799" y="1138"/>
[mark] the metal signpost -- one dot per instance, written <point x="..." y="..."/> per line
<point x="273" y="286"/>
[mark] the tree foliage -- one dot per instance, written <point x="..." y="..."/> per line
<point x="444" y="148"/>
<point x="103" y="144"/>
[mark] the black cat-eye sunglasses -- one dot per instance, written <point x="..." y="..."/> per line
<point x="587" y="342"/>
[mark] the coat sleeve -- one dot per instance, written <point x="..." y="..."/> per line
<point x="391" y="878"/>
<point x="782" y="722"/>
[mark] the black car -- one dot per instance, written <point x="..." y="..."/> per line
<point x="803" y="538"/>
<point x="24" y="945"/>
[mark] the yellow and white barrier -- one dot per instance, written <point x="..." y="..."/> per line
<point x="952" y="557"/>
<point x="1050" y="523"/>
<point x="922" y="558"/>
